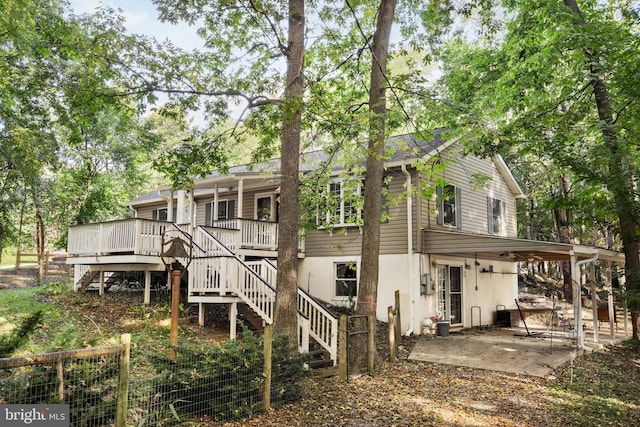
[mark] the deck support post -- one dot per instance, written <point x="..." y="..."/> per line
<point x="201" y="314"/>
<point x="233" y="320"/>
<point x="101" y="291"/>
<point x="147" y="287"/>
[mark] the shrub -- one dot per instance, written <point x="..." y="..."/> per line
<point x="225" y="382"/>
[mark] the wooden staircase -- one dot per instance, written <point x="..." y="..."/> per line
<point x="216" y="271"/>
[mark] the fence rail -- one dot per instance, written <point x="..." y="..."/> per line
<point x="107" y="386"/>
<point x="92" y="381"/>
<point x="53" y="261"/>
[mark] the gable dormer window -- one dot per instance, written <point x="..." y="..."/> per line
<point x="448" y="202"/>
<point x="496" y="216"/>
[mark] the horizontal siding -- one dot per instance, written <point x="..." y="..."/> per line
<point x="146" y="212"/>
<point x="459" y="172"/>
<point x="348" y="240"/>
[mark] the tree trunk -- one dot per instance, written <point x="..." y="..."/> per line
<point x="620" y="178"/>
<point x="368" y="291"/>
<point x="286" y="305"/>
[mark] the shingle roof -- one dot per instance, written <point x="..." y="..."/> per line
<point x="405" y="147"/>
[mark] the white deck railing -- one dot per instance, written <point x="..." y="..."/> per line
<point x="249" y="233"/>
<point x="254" y="282"/>
<point x="138" y="236"/>
<point x="214" y="267"/>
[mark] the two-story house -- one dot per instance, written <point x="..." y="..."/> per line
<point x="453" y="255"/>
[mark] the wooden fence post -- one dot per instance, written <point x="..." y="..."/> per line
<point x="372" y="342"/>
<point x="122" y="400"/>
<point x="342" y="347"/>
<point x="392" y="336"/>
<point x="267" y="336"/>
<point x="398" y="319"/>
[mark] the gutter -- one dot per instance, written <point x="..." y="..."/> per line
<point x="409" y="248"/>
<point x="577" y="300"/>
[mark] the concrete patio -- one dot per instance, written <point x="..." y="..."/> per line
<point x="536" y="352"/>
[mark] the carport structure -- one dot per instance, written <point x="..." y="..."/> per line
<point x="498" y="248"/>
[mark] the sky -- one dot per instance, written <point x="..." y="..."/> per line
<point x="142" y="18"/>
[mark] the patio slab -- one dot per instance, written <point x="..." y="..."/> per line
<point x="506" y="350"/>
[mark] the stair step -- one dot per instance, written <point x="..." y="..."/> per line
<point x="326" y="372"/>
<point x="320" y="363"/>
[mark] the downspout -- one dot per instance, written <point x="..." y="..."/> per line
<point x="409" y="247"/>
<point x="577" y="300"/>
<point x="169" y="201"/>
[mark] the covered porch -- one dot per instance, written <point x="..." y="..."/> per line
<point x="487" y="247"/>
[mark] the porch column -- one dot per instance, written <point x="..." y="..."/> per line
<point x="147" y="287"/>
<point x="201" y="314"/>
<point x="170" y="217"/>
<point x="192" y="210"/>
<point x="101" y="291"/>
<point x="233" y="319"/>
<point x="577" y="301"/>
<point x="216" y="199"/>
<point x="240" y="197"/>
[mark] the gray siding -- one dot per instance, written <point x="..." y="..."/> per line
<point x="348" y="240"/>
<point x="459" y="172"/>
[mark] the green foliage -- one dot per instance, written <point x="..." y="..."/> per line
<point x="54" y="288"/>
<point x="90" y="388"/>
<point x="227" y="381"/>
<point x="20" y="335"/>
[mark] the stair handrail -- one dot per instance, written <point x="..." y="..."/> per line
<point x="254" y="290"/>
<point x="323" y="325"/>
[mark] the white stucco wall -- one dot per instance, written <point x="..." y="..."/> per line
<point x="316" y="275"/>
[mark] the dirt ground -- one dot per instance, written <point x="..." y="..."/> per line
<point x="600" y="388"/>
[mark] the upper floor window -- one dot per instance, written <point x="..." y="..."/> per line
<point x="344" y="203"/>
<point x="225" y="211"/>
<point x="448" y="202"/>
<point x="161" y="214"/>
<point x="496" y="216"/>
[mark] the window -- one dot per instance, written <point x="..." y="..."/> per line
<point x="225" y="211"/>
<point x="496" y="216"/>
<point x="346" y="279"/>
<point x="161" y="214"/>
<point x="344" y="203"/>
<point x="448" y="202"/>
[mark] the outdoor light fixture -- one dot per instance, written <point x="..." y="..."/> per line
<point x="175" y="250"/>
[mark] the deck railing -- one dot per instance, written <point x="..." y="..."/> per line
<point x="138" y="236"/>
<point x="250" y="233"/>
<point x="254" y="282"/>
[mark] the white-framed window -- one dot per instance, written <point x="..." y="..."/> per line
<point x="344" y="203"/>
<point x="496" y="216"/>
<point x="346" y="279"/>
<point x="161" y="214"/>
<point x="225" y="211"/>
<point x="448" y="202"/>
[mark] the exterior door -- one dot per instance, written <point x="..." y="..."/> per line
<point x="264" y="210"/>
<point x="450" y="293"/>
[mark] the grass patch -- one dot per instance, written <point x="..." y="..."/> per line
<point x="56" y="330"/>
